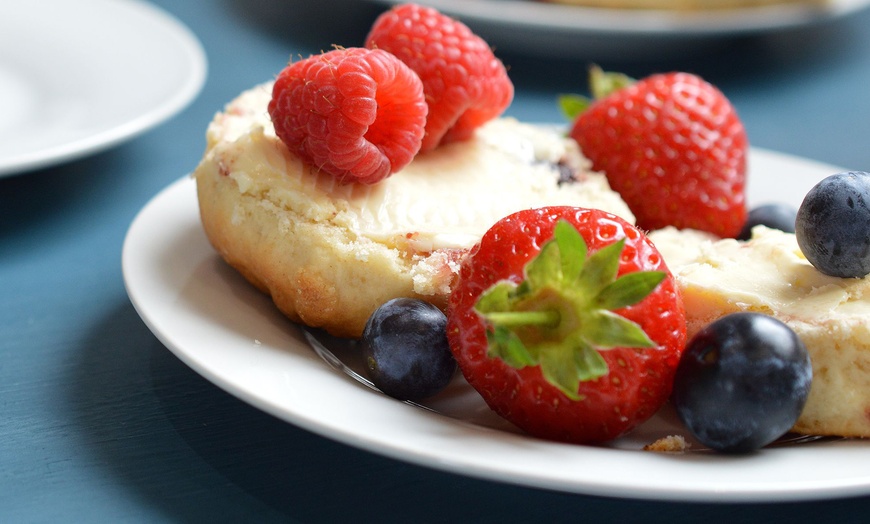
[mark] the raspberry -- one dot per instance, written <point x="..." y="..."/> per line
<point x="465" y="84"/>
<point x="358" y="114"/>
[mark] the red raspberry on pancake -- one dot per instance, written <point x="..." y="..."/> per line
<point x="356" y="113"/>
<point x="465" y="84"/>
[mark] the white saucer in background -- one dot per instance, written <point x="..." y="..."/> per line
<point x="564" y="31"/>
<point x="80" y="76"/>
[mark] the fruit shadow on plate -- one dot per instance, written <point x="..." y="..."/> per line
<point x="459" y="401"/>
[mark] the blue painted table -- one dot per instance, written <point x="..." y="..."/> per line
<point x="100" y="422"/>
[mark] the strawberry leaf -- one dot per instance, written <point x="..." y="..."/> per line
<point x="629" y="289"/>
<point x="572" y="105"/>
<point x="559" y="368"/>
<point x="496" y="298"/>
<point x="607" y="330"/>
<point x="572" y="249"/>
<point x="602" y="83"/>
<point x="507" y="346"/>
<point x="546" y="268"/>
<point x="601" y="268"/>
<point x="589" y="363"/>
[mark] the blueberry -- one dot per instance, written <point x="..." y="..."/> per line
<point x="833" y="225"/>
<point x="742" y="382"/>
<point x="405" y="348"/>
<point x="775" y="216"/>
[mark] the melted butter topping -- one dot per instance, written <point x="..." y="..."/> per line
<point x="768" y="274"/>
<point x="444" y="199"/>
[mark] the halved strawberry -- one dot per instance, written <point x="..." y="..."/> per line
<point x="568" y="323"/>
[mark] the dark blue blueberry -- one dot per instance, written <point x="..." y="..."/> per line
<point x="833" y="225"/>
<point x="775" y="216"/>
<point x="742" y="382"/>
<point x="405" y="348"/>
<point x="567" y="174"/>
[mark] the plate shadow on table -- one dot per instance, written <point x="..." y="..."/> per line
<point x="196" y="453"/>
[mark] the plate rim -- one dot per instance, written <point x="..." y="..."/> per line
<point x="640" y="22"/>
<point x="425" y="450"/>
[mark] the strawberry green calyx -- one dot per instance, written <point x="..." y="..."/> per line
<point x="561" y="314"/>
<point x="601" y="84"/>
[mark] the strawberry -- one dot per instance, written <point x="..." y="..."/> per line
<point x="568" y="323"/>
<point x="356" y="113"/>
<point x="465" y="84"/>
<point x="672" y="146"/>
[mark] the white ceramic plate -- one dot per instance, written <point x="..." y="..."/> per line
<point x="232" y="335"/>
<point x="527" y="26"/>
<point x="80" y="76"/>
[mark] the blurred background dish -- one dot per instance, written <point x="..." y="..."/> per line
<point x="569" y="31"/>
<point x="90" y="75"/>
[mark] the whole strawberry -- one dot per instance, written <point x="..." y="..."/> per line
<point x="672" y="146"/>
<point x="355" y="113"/>
<point x="465" y="84"/>
<point x="568" y="323"/>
